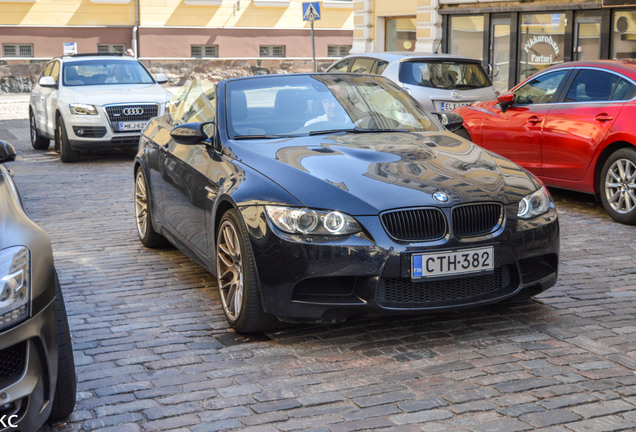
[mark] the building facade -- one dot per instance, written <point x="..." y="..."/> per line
<point x="174" y="29"/>
<point x="513" y="39"/>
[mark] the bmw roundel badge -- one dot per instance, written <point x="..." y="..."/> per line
<point x="441" y="197"/>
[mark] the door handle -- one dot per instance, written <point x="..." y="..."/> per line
<point x="603" y="117"/>
<point x="535" y="120"/>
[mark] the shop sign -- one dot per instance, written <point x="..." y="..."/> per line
<point x="537" y="56"/>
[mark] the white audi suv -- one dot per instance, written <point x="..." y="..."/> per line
<point x="94" y="101"/>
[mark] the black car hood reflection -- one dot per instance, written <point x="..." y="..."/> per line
<point x="369" y="172"/>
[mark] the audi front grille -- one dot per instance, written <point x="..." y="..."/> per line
<point x="130" y="113"/>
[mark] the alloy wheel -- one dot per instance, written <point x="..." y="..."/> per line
<point x="620" y="186"/>
<point x="141" y="204"/>
<point x="229" y="270"/>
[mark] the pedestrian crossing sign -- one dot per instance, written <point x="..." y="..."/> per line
<point x="311" y="11"/>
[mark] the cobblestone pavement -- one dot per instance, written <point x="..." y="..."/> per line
<point x="154" y="353"/>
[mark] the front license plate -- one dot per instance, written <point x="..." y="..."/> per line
<point x="132" y="126"/>
<point x="449" y="106"/>
<point x="450" y="263"/>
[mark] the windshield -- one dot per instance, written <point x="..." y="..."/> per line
<point x="99" y="72"/>
<point x="444" y="74"/>
<point x="296" y="105"/>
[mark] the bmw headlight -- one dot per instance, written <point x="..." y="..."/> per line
<point x="82" y="109"/>
<point x="15" y="285"/>
<point x="534" y="204"/>
<point x="295" y="220"/>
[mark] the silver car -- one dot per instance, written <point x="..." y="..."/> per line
<point x="89" y="102"/>
<point x="440" y="82"/>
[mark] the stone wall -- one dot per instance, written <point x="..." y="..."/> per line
<point x="18" y="76"/>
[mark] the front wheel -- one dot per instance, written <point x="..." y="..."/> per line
<point x="64" y="398"/>
<point x="618" y="186"/>
<point x="147" y="234"/>
<point x="38" y="141"/>
<point x="67" y="154"/>
<point x="236" y="278"/>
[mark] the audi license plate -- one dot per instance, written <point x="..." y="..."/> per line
<point x="449" y="263"/>
<point x="132" y="126"/>
<point x="449" y="106"/>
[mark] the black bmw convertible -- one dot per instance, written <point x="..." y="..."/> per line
<point x="317" y="197"/>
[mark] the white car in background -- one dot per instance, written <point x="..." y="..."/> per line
<point x="439" y="82"/>
<point x="94" y="101"/>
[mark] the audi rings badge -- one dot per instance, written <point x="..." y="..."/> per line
<point x="133" y="111"/>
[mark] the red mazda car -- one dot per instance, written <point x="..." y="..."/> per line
<point x="573" y="125"/>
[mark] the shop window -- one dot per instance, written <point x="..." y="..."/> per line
<point x="17" y="50"/>
<point x="466" y="36"/>
<point x="624" y="35"/>
<point x="400" y="34"/>
<point x="204" y="50"/>
<point x="542" y="38"/>
<point x="338" y="50"/>
<point x="111" y="48"/>
<point x="272" y="50"/>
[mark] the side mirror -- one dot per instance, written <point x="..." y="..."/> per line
<point x="450" y="120"/>
<point x="506" y="100"/>
<point x="161" y="78"/>
<point x="7" y="152"/>
<point x="190" y="133"/>
<point x="47" y="81"/>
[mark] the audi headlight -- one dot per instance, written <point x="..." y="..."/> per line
<point x="306" y="221"/>
<point x="82" y="109"/>
<point x="535" y="204"/>
<point x="15" y="285"/>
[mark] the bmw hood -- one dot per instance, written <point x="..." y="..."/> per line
<point x="117" y="93"/>
<point x="367" y="173"/>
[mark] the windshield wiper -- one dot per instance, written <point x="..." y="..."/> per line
<point x="263" y="136"/>
<point x="355" y="130"/>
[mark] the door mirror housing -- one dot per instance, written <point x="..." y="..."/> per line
<point x="7" y="152"/>
<point x="47" y="81"/>
<point x="161" y="78"/>
<point x="506" y="100"/>
<point x="190" y="133"/>
<point x="450" y="120"/>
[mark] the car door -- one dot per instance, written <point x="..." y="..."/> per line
<point x="574" y="128"/>
<point x="49" y="97"/>
<point x="186" y="189"/>
<point x="43" y="98"/>
<point x="516" y="133"/>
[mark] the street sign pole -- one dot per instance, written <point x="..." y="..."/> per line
<point x="313" y="45"/>
<point x="311" y="13"/>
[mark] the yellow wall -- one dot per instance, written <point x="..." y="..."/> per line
<point x="388" y="8"/>
<point x="66" y="13"/>
<point x="168" y="13"/>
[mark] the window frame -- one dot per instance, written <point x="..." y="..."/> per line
<point x="271" y="49"/>
<point x="18" y="48"/>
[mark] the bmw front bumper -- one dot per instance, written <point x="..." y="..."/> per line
<point x="330" y="279"/>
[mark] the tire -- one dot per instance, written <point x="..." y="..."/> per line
<point x="236" y="278"/>
<point x="143" y="216"/>
<point x="65" y="388"/>
<point x="38" y="141"/>
<point x="67" y="154"/>
<point x="462" y="132"/>
<point x="617" y="186"/>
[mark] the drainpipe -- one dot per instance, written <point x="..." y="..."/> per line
<point x="135" y="39"/>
